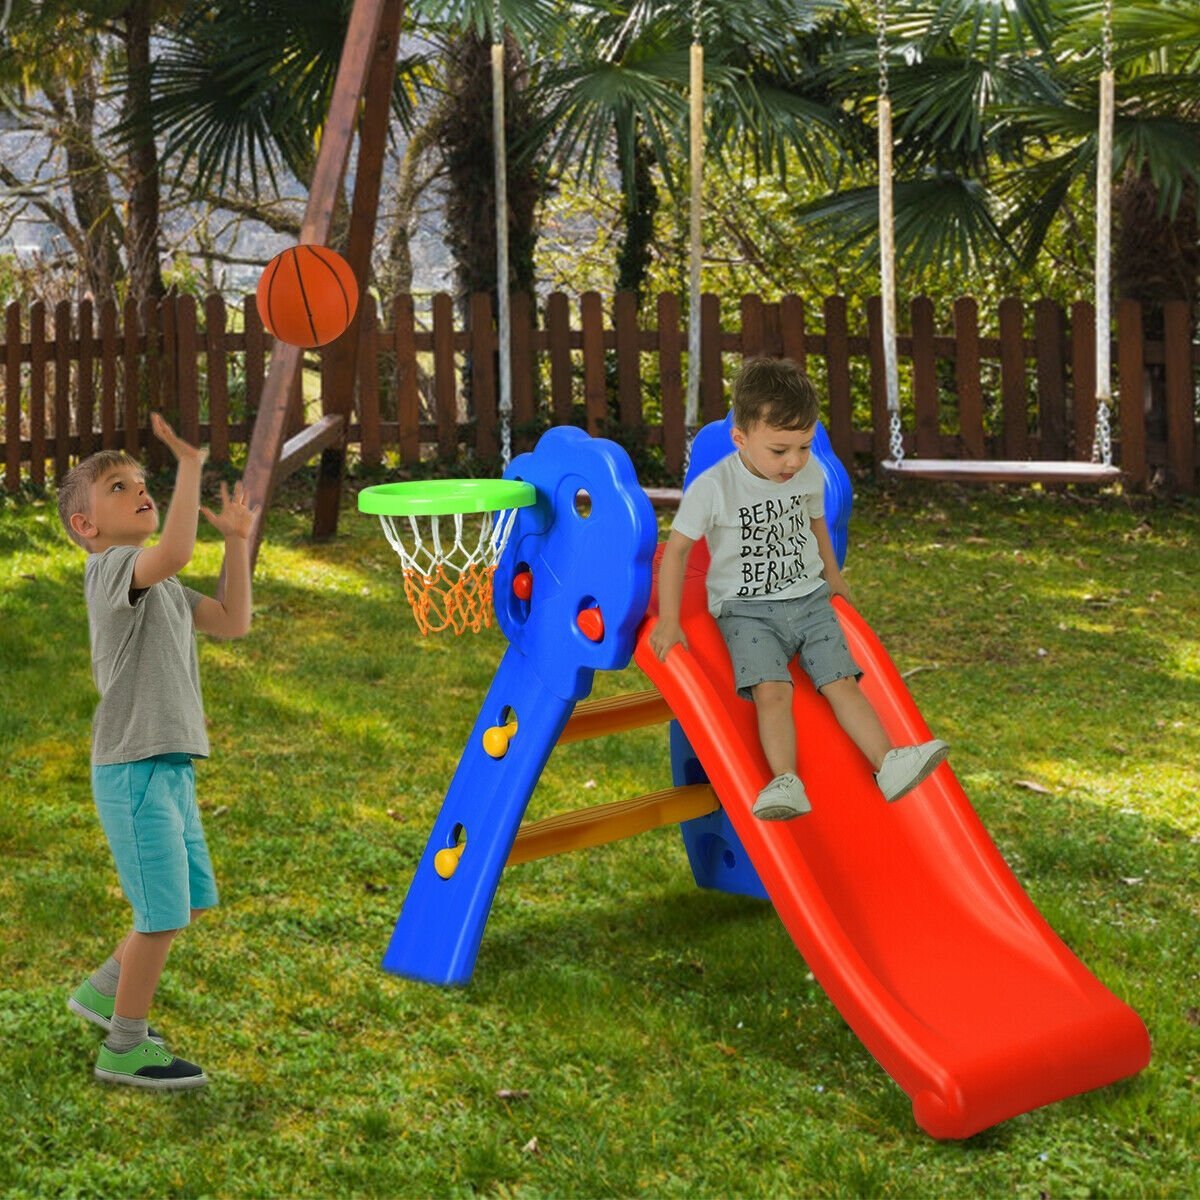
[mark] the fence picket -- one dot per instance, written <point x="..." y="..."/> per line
<point x="753" y="327"/>
<point x="595" y="383"/>
<point x="12" y="397"/>
<point x="522" y="365"/>
<point x="408" y="395"/>
<point x="253" y="359"/>
<point x="966" y="376"/>
<point x="133" y="362"/>
<point x="1013" y="388"/>
<point x="629" y="374"/>
<point x="150" y="385"/>
<point x="371" y="443"/>
<point x="1083" y="377"/>
<point x="86" y="386"/>
<point x="484" y="393"/>
<point x="37" y="392"/>
<point x="62" y="388"/>
<point x="925" y="382"/>
<point x="217" y="374"/>
<point x="712" y="375"/>
<point x="445" y="381"/>
<point x="1181" y="396"/>
<point x="792" y="332"/>
<point x="108" y="375"/>
<point x="1049" y="338"/>
<point x="183" y="362"/>
<point x="1131" y="371"/>
<point x="670" y="380"/>
<point x="558" y="338"/>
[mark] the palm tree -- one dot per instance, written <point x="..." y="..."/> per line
<point x="619" y="90"/>
<point x="995" y="117"/>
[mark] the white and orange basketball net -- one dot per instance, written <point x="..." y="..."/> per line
<point x="449" y="584"/>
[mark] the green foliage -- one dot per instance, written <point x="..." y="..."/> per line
<point x="625" y="1034"/>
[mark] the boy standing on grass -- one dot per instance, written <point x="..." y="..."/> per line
<point x="762" y="510"/>
<point x="149" y="726"/>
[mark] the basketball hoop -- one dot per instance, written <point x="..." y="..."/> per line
<point x="448" y="583"/>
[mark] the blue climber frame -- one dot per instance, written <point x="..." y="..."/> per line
<point x="583" y="557"/>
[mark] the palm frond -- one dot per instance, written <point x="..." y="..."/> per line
<point x="944" y="222"/>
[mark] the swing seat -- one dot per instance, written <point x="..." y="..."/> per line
<point x="1001" y="470"/>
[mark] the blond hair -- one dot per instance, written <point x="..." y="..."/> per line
<point x="775" y="391"/>
<point x="75" y="491"/>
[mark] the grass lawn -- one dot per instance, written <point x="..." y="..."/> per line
<point x="625" y="1032"/>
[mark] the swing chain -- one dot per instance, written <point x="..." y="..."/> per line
<point x="897" y="438"/>
<point x="497" y="24"/>
<point x="697" y="22"/>
<point x="1102" y="441"/>
<point x="1106" y="37"/>
<point x="881" y="44"/>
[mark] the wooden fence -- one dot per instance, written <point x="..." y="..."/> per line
<point x="77" y="379"/>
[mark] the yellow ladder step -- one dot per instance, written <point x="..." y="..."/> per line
<point x="611" y="822"/>
<point x="615" y="714"/>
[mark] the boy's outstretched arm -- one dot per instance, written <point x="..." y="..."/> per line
<point x="174" y="549"/>
<point x="667" y="631"/>
<point x="231" y="618"/>
<point x="832" y="572"/>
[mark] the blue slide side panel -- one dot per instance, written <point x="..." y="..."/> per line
<point x="713" y="847"/>
<point x="437" y="936"/>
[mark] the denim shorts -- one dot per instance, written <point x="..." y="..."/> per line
<point x="149" y="814"/>
<point x="764" y="636"/>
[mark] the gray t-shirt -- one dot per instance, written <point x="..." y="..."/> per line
<point x="759" y="532"/>
<point x="143" y="661"/>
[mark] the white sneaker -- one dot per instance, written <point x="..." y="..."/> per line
<point x="904" y="768"/>
<point x="782" y="799"/>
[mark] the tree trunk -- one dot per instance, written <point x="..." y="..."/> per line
<point x="91" y="196"/>
<point x="143" y="245"/>
<point x="396" y="272"/>
<point x="639" y="204"/>
<point x="463" y="130"/>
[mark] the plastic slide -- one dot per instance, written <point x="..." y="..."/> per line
<point x="906" y="913"/>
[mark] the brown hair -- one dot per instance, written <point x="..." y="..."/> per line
<point x="75" y="491"/>
<point x="775" y="391"/>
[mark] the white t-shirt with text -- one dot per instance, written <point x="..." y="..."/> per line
<point x="759" y="531"/>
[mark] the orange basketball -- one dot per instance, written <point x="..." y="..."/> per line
<point x="307" y="296"/>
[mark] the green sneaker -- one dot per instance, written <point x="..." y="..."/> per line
<point x="92" y="1006"/>
<point x="148" y="1066"/>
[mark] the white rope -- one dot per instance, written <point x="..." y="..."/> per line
<point x="1102" y="437"/>
<point x="504" y="319"/>
<point x="695" y="249"/>
<point x="887" y="244"/>
<point x="424" y="560"/>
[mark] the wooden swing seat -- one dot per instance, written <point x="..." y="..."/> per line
<point x="1001" y="471"/>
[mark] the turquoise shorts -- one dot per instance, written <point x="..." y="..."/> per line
<point x="149" y="814"/>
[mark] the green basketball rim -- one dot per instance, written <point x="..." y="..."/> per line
<point x="445" y="497"/>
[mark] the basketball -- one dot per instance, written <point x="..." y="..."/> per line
<point x="307" y="296"/>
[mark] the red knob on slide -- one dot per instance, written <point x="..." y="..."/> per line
<point x="591" y="624"/>
<point x="522" y="585"/>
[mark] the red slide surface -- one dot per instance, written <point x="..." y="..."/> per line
<point x="906" y="913"/>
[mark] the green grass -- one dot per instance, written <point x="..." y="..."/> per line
<point x="659" y="1040"/>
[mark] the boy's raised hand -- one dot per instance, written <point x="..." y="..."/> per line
<point x="236" y="518"/>
<point x="183" y="451"/>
